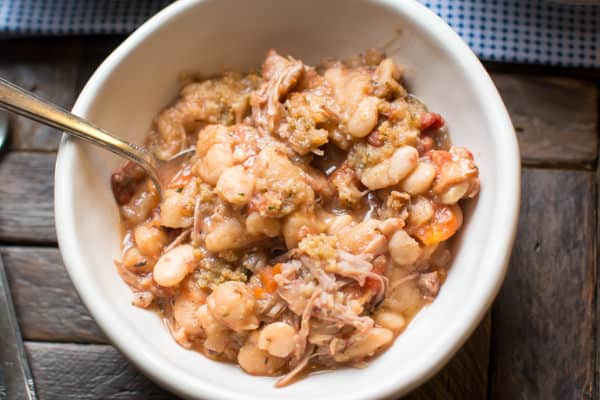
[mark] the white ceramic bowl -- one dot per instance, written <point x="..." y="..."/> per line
<point x="140" y="77"/>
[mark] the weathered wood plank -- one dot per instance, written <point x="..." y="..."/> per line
<point x="542" y="342"/>
<point x="49" y="68"/>
<point x="556" y="119"/>
<point x="466" y="375"/>
<point x="47" y="305"/>
<point x="88" y="372"/>
<point x="27" y="192"/>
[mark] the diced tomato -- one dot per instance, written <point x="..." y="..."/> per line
<point x="439" y="157"/>
<point x="431" y="121"/>
<point x="267" y="279"/>
<point x="259" y="293"/>
<point x="444" y="224"/>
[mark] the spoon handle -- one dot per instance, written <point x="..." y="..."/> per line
<point x="22" y="102"/>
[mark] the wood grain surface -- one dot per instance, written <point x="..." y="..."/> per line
<point x="556" y="119"/>
<point x="66" y="371"/>
<point x="47" y="305"/>
<point x="27" y="193"/>
<point x="466" y="375"/>
<point x="543" y="319"/>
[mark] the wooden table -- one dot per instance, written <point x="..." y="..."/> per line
<point x="538" y="341"/>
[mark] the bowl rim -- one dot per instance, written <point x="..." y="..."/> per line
<point x="124" y="338"/>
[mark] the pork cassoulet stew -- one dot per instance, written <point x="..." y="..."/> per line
<point x="310" y="225"/>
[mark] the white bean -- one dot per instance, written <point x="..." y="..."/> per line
<point x="217" y="334"/>
<point x="366" y="346"/>
<point x="225" y="235"/>
<point x="186" y="313"/>
<point x="403" y="161"/>
<point x="149" y="239"/>
<point x="174" y="211"/>
<point x="218" y="157"/>
<point x="390" y="320"/>
<point x="173" y="266"/>
<point x="404" y="249"/>
<point x="255" y="361"/>
<point x="420" y="180"/>
<point x="233" y="304"/>
<point x="278" y="338"/>
<point x="420" y="211"/>
<point x="364" y="118"/>
<point x="235" y="185"/>
<point x="387" y="71"/>
<point x="259" y="225"/>
<point x="377" y="177"/>
<point x="454" y="193"/>
<point x="391" y="170"/>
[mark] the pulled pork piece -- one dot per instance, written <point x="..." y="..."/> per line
<point x="281" y="75"/>
<point x="294" y="103"/>
<point x="125" y="181"/>
<point x="429" y="284"/>
<point x="347" y="185"/>
<point x="351" y="266"/>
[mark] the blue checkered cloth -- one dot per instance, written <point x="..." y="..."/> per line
<point x="524" y="31"/>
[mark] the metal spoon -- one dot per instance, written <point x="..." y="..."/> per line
<point x="3" y="128"/>
<point x="16" y="380"/>
<point x="22" y="102"/>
